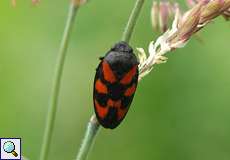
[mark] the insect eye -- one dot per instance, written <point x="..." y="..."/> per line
<point x="101" y="58"/>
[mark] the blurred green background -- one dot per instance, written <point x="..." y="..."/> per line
<point x="181" y="110"/>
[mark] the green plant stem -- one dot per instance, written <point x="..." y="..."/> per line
<point x="51" y="115"/>
<point x="132" y="21"/>
<point x="94" y="125"/>
<point x="91" y="131"/>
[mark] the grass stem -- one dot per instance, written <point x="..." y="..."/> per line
<point x="51" y="115"/>
<point x="88" y="140"/>
<point x="132" y="21"/>
<point x="93" y="125"/>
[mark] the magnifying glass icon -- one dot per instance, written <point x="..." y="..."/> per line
<point x="9" y="147"/>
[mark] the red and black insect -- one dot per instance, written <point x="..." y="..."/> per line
<point x="115" y="84"/>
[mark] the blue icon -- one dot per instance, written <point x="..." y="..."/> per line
<point x="9" y="147"/>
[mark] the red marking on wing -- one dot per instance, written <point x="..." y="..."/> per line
<point x="121" y="113"/>
<point x="101" y="111"/>
<point x="108" y="73"/>
<point x="115" y="104"/>
<point x="129" y="76"/>
<point x="130" y="91"/>
<point x="100" y="87"/>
